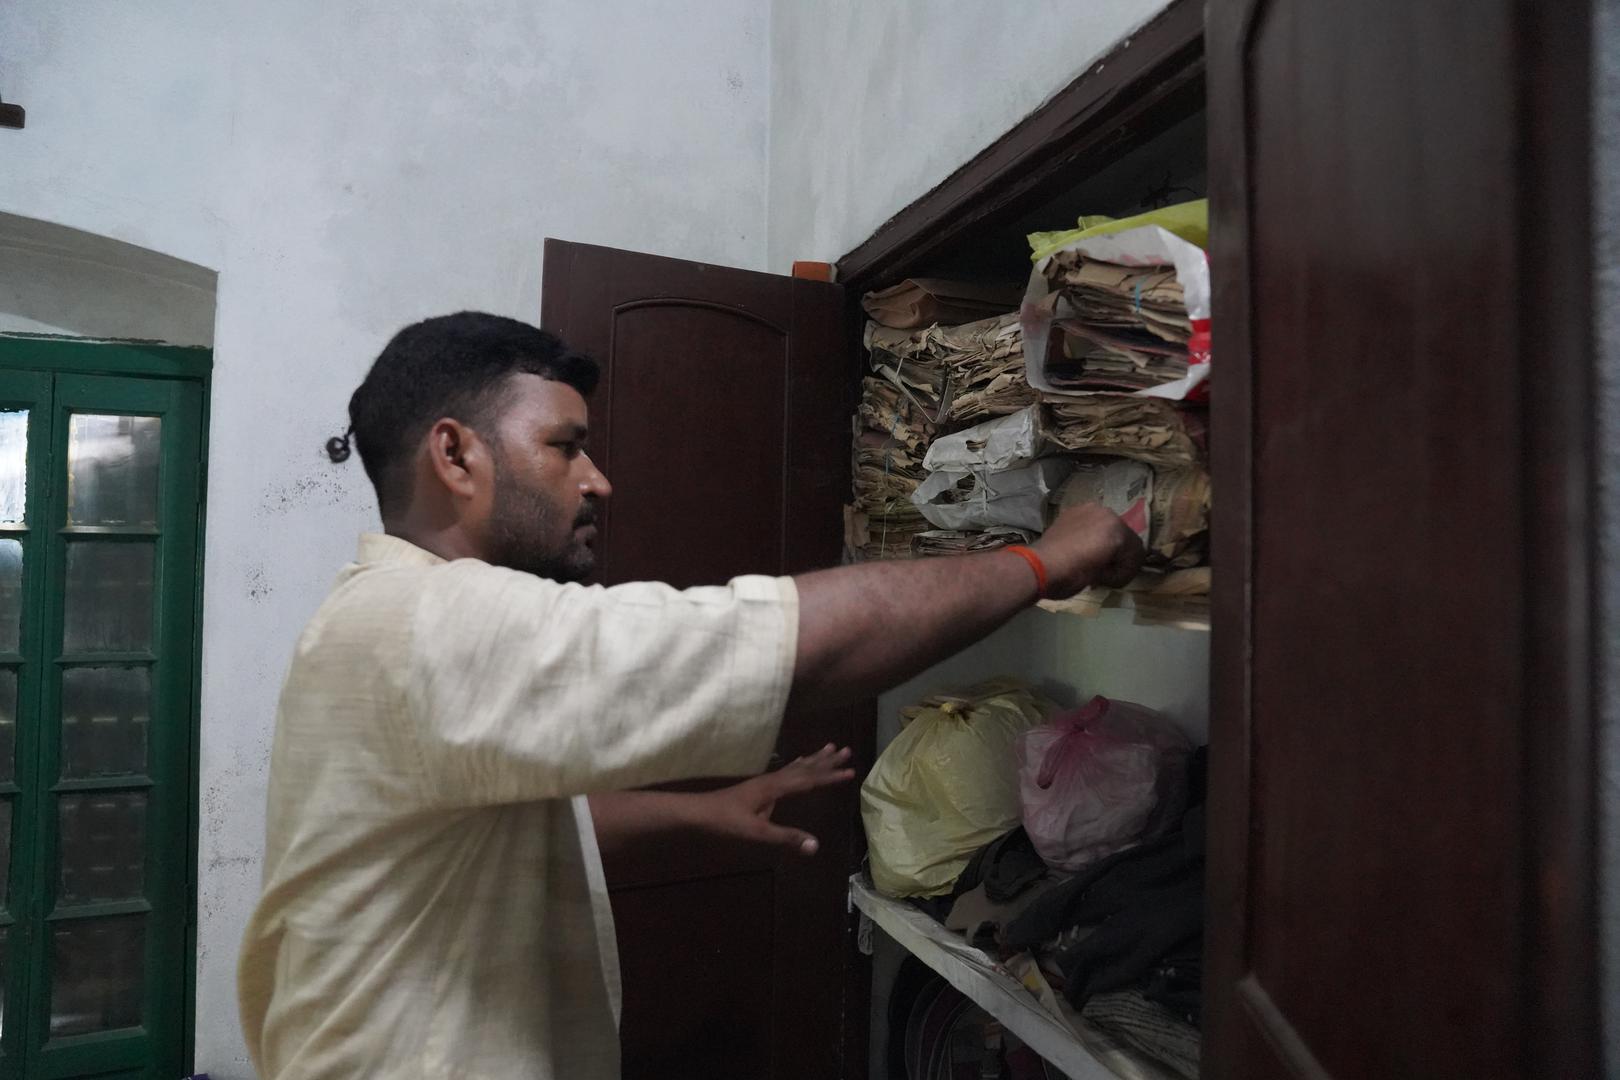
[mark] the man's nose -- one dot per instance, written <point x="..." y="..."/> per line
<point x="594" y="483"/>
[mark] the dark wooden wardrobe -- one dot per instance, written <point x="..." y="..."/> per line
<point x="1402" y="851"/>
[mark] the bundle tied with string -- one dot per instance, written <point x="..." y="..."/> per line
<point x="894" y="424"/>
<point x="993" y="474"/>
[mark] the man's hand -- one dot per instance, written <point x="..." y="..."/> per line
<point x="1088" y="545"/>
<point x="744" y="810"/>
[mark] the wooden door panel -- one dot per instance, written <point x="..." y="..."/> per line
<point x="696" y="1003"/>
<point x="722" y="422"/>
<point x="1383" y="736"/>
<point x="705" y="384"/>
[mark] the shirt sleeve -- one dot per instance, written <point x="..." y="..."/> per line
<point x="521" y="688"/>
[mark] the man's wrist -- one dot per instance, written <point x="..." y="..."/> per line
<point x="1037" y="566"/>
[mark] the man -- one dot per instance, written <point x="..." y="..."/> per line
<point x="434" y="903"/>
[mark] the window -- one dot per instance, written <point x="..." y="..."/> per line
<point x="101" y="465"/>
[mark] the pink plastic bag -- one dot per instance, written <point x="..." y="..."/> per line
<point x="1099" y="779"/>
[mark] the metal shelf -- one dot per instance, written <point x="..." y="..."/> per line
<point x="991" y="987"/>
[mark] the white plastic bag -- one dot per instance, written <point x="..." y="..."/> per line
<point x="979" y="499"/>
<point x="1147" y="245"/>
<point x="1008" y="442"/>
<point x="1099" y="779"/>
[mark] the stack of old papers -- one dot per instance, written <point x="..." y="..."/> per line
<point x="1178" y="527"/>
<point x="960" y="542"/>
<point x="1146" y="429"/>
<point x="1167" y="507"/>
<point x="893" y="429"/>
<point x="1179" y="598"/>
<point x="976" y="370"/>
<point x="1122" y="328"/>
<point x="920" y="302"/>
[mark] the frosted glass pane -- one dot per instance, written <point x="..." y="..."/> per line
<point x="8" y="724"/>
<point x="113" y="469"/>
<point x="109" y="596"/>
<point x="97" y="968"/>
<point x="105" y="716"/>
<point x="103" y="846"/>
<point x="11" y="600"/>
<point x="5" y="854"/>
<point x="13" y="465"/>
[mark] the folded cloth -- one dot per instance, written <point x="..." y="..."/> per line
<point x="1146" y="429"/>
<point x="1148" y="1028"/>
<point x="979" y="919"/>
<point x="1006" y="867"/>
<point x="1177" y="982"/>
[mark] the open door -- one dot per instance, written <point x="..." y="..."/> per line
<point x="722" y="421"/>
<point x="1401" y="797"/>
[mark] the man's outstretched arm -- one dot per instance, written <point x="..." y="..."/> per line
<point x="741" y="812"/>
<point x="865" y="628"/>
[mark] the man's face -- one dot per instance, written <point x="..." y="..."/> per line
<point x="547" y="492"/>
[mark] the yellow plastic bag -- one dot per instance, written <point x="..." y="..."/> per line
<point x="946" y="786"/>
<point x="1188" y="220"/>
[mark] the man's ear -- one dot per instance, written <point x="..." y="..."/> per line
<point x="458" y="457"/>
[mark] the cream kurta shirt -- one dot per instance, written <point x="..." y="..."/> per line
<point x="434" y="904"/>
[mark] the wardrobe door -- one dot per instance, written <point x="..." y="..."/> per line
<point x="1401" y="797"/>
<point x="722" y="420"/>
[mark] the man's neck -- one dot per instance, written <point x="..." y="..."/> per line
<point x="448" y="544"/>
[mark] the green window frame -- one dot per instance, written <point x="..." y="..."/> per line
<point x="101" y="880"/>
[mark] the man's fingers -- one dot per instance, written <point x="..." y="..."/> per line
<point x="784" y="837"/>
<point x="829" y="765"/>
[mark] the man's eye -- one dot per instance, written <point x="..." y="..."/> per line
<point x="570" y="449"/>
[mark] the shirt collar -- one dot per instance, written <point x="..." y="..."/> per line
<point x="381" y="548"/>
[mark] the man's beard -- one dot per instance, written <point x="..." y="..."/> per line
<point x="519" y="523"/>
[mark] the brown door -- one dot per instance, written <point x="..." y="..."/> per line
<point x="1401" y="793"/>
<point x="722" y="421"/>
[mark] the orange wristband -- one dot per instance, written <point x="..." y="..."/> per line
<point x="1035" y="564"/>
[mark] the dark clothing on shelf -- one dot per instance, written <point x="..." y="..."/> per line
<point x="1145" y="910"/>
<point x="1006" y="866"/>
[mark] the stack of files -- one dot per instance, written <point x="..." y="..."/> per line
<point x="1178" y="528"/>
<point x="902" y="357"/>
<point x="1120" y="328"/>
<point x="919" y="302"/>
<point x="1151" y="430"/>
<point x="975" y="370"/>
<point x="1168" y="507"/>
<point x="898" y="413"/>
<point x="882" y="531"/>
<point x="892" y="431"/>
<point x="959" y="542"/>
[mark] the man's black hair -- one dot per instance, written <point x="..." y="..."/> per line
<point x="450" y="366"/>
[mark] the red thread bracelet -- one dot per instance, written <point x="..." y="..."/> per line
<point x="1035" y="564"/>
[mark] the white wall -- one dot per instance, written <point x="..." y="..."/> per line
<point x="872" y="105"/>
<point x="57" y="280"/>
<point x="347" y="168"/>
